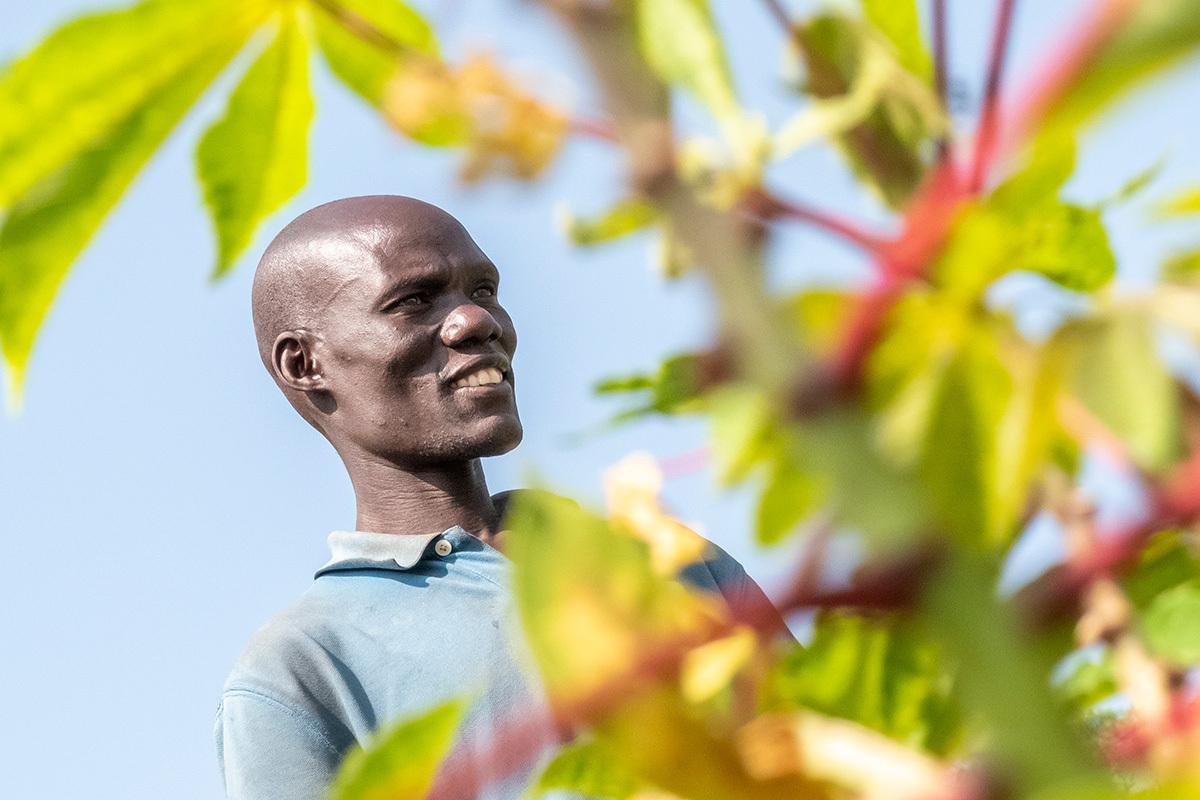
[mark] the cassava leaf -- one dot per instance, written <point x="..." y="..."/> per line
<point x="586" y="768"/>
<point x="621" y="219"/>
<point x="48" y="227"/>
<point x="253" y="159"/>
<point x="680" y="42"/>
<point x="402" y="761"/>
<point x="366" y="67"/>
<point x="899" y="21"/>
<point x="91" y="75"/>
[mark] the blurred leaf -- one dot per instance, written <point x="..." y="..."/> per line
<point x="1135" y="185"/>
<point x="673" y="389"/>
<point x="1166" y="562"/>
<point x="791" y="494"/>
<point x="93" y="74"/>
<point x="1182" y="204"/>
<point x="881" y="672"/>
<point x="401" y="762"/>
<point x="680" y="42"/>
<point x="1171" y="624"/>
<point x="625" y="217"/>
<point x="1002" y="677"/>
<point x="1120" y="378"/>
<point x="899" y="21"/>
<point x="661" y="740"/>
<point x="1038" y="182"/>
<point x="1182" y="266"/>
<point x="886" y="148"/>
<point x="741" y="422"/>
<point x="366" y="67"/>
<point x="588" y="617"/>
<point x="631" y="497"/>
<point x="818" y="316"/>
<point x="49" y="226"/>
<point x="1068" y="245"/>
<point x="711" y="667"/>
<point x="1156" y="34"/>
<point x="589" y="769"/>
<point x="1091" y="680"/>
<point x="253" y="159"/>
<point x="960" y="460"/>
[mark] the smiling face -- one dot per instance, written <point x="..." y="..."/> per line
<point x="407" y="352"/>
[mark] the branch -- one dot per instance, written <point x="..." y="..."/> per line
<point x="940" y="67"/>
<point x="989" y="119"/>
<point x="362" y="27"/>
<point x="768" y="206"/>
<point x="781" y="16"/>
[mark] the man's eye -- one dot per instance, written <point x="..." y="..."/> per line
<point x="408" y="301"/>
<point x="485" y="291"/>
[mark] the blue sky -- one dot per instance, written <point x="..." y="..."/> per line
<point x="160" y="499"/>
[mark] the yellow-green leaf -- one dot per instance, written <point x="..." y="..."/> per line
<point x="1184" y="203"/>
<point x="88" y="78"/>
<point x="1157" y="34"/>
<point x="49" y="226"/>
<point x="586" y="768"/>
<point x="899" y="22"/>
<point x="366" y="66"/>
<point x="402" y="762"/>
<point x="679" y="40"/>
<point x="621" y="219"/>
<point x="253" y="159"/>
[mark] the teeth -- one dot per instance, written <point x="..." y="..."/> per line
<point x="482" y="377"/>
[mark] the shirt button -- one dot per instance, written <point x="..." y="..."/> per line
<point x="443" y="548"/>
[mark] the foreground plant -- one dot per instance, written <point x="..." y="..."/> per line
<point x="910" y="412"/>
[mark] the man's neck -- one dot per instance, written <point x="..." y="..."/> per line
<point x="427" y="499"/>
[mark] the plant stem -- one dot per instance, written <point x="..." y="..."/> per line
<point x="362" y="27"/>
<point x="940" y="69"/>
<point x="768" y="206"/>
<point x="990" y="116"/>
<point x="781" y="16"/>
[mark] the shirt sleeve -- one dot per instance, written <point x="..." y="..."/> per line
<point x="745" y="598"/>
<point x="268" y="750"/>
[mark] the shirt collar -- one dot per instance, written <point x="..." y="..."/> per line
<point x="368" y="550"/>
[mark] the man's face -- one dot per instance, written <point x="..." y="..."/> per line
<point x="416" y="349"/>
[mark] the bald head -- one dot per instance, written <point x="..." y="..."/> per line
<point x="318" y="251"/>
<point x="379" y="318"/>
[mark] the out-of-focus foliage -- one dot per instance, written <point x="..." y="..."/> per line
<point x="911" y="415"/>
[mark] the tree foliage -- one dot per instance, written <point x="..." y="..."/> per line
<point x="910" y="412"/>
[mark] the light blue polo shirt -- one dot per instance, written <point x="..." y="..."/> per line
<point x="391" y="626"/>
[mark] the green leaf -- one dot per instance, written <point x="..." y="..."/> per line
<point x="1091" y="680"/>
<point x="883" y="673"/>
<point x="790" y="495"/>
<point x="1182" y="204"/>
<point x="741" y="423"/>
<point x="1156" y="35"/>
<point x="90" y="76"/>
<point x="959" y="464"/>
<point x="401" y="763"/>
<point x="48" y="227"/>
<point x="253" y="159"/>
<point x="1165" y="562"/>
<point x="588" y="617"/>
<point x="680" y="42"/>
<point x="364" y="66"/>
<point x="1172" y="624"/>
<point x="899" y="21"/>
<point x="887" y="147"/>
<point x="673" y="389"/>
<point x="626" y="216"/>
<point x="589" y="769"/>
<point x="1182" y="266"/>
<point x="1120" y="378"/>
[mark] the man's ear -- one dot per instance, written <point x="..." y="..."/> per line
<point x="294" y="361"/>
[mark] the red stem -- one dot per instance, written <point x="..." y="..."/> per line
<point x="940" y="67"/>
<point x="989" y="119"/>
<point x="768" y="206"/>
<point x="594" y="128"/>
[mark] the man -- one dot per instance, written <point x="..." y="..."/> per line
<point x="379" y="319"/>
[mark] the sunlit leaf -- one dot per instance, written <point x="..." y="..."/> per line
<point x="710" y="668"/>
<point x="673" y="389"/>
<point x="589" y="617"/>
<point x="365" y="65"/>
<point x="631" y="496"/>
<point x="1182" y="266"/>
<point x="401" y="762"/>
<point x="1171" y="624"/>
<point x="1185" y="203"/>
<point x="899" y="21"/>
<point x="1166" y="562"/>
<point x="818" y="316"/>
<point x="887" y="148"/>
<point x="91" y="75"/>
<point x="790" y="495"/>
<point x="623" y="218"/>
<point x="741" y="422"/>
<point x="253" y="159"/>
<point x="48" y="227"/>
<point x="679" y="40"/>
<point x="1089" y="681"/>
<point x="883" y="673"/>
<point x="586" y="768"/>
<point x="1120" y="378"/>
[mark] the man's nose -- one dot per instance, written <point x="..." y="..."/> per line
<point x="469" y="322"/>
